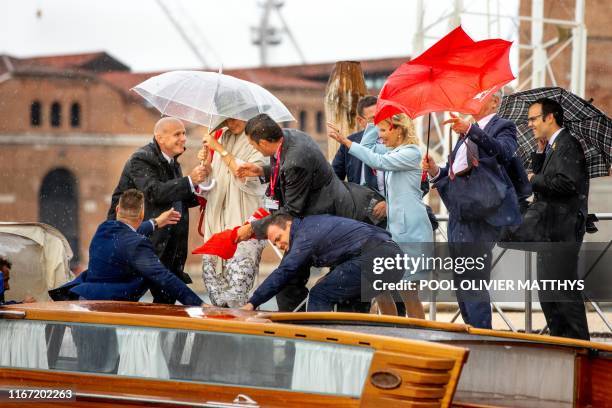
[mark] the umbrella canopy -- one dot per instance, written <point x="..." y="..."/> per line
<point x="222" y="244"/>
<point x="208" y="98"/>
<point x="385" y="109"/>
<point x="585" y="122"/>
<point x="455" y="74"/>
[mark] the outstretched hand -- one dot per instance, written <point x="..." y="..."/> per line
<point x="249" y="170"/>
<point x="248" y="306"/>
<point x="334" y="133"/>
<point x="458" y="124"/>
<point x="169" y="217"/>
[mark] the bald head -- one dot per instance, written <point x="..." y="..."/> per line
<point x="170" y="135"/>
<point x="164" y="123"/>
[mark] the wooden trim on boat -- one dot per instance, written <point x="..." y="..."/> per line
<point x="428" y="324"/>
<point x="241" y="327"/>
<point x="147" y="389"/>
<point x="437" y="366"/>
<point x="363" y="317"/>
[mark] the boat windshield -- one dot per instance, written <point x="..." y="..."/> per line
<point x="186" y="355"/>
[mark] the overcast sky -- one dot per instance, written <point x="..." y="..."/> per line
<point x="139" y="33"/>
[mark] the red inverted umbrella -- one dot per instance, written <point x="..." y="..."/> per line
<point x="455" y="74"/>
<point x="385" y="109"/>
<point x="223" y="243"/>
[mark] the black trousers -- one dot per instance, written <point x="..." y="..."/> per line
<point x="171" y="259"/>
<point x="563" y="309"/>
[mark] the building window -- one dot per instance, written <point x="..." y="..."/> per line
<point x="303" y="118"/>
<point x="75" y="115"/>
<point x="320" y="119"/>
<point x="56" y="114"/>
<point x="35" y="114"/>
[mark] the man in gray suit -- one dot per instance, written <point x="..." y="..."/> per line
<point x="302" y="183"/>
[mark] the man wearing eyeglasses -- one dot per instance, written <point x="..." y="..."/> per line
<point x="560" y="182"/>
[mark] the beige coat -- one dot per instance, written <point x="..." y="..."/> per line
<point x="231" y="202"/>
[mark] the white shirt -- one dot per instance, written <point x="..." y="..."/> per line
<point x="551" y="141"/>
<point x="460" y="163"/>
<point x="132" y="228"/>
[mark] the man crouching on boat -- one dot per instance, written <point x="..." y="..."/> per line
<point x="122" y="262"/>
<point x="346" y="245"/>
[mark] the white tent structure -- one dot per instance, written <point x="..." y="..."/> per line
<point x="40" y="255"/>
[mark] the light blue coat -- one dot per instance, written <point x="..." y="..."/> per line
<point x="407" y="219"/>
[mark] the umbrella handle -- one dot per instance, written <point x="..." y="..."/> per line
<point x="424" y="174"/>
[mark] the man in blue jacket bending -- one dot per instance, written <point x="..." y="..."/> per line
<point x="122" y="262"/>
<point x="349" y="246"/>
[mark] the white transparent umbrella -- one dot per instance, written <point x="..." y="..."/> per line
<point x="208" y="98"/>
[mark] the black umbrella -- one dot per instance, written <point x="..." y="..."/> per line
<point x="585" y="122"/>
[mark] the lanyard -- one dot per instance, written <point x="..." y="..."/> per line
<point x="274" y="178"/>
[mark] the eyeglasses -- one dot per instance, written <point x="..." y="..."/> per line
<point x="532" y="119"/>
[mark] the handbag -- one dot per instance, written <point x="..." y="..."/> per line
<point x="477" y="192"/>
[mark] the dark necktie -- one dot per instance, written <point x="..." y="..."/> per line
<point x="548" y="150"/>
<point x="176" y="170"/>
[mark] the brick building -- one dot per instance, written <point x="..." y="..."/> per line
<point x="68" y="124"/>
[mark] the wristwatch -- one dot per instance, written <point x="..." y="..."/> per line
<point x="224" y="153"/>
<point x="155" y="224"/>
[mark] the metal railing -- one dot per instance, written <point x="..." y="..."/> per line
<point x="443" y="218"/>
<point x="528" y="275"/>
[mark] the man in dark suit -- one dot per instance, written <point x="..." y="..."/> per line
<point x="350" y="167"/>
<point x="302" y="183"/>
<point x="154" y="170"/>
<point x="492" y="136"/>
<point x="320" y="240"/>
<point x="560" y="182"/>
<point x="122" y="262"/>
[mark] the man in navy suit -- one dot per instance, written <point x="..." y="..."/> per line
<point x="493" y="137"/>
<point x="122" y="261"/>
<point x="350" y="167"/>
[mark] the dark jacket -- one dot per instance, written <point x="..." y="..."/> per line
<point x="163" y="186"/>
<point x="348" y="166"/>
<point x="318" y="240"/>
<point x="497" y="139"/>
<point x="123" y="266"/>
<point x="507" y="152"/>
<point x="561" y="182"/>
<point x="307" y="184"/>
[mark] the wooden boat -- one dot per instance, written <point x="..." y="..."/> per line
<point x="504" y="369"/>
<point x="108" y="354"/>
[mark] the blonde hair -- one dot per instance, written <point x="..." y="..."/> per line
<point x="406" y="126"/>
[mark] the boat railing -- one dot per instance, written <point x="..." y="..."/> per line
<point x="440" y="236"/>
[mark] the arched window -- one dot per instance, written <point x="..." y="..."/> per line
<point x="35" y="114"/>
<point x="75" y="115"/>
<point x="303" y="118"/>
<point x="56" y="114"/>
<point x="320" y="119"/>
<point x="58" y="200"/>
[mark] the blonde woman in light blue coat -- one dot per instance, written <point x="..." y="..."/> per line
<point x="400" y="160"/>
